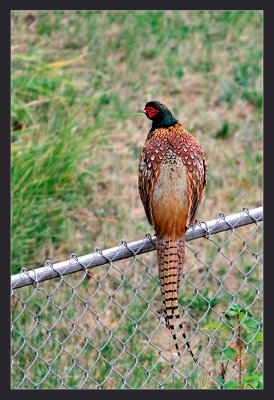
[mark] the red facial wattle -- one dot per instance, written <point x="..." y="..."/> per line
<point x="151" y="112"/>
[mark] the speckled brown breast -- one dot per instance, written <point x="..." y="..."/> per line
<point x="170" y="194"/>
<point x="158" y="145"/>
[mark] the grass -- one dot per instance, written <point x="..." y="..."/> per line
<point x="78" y="79"/>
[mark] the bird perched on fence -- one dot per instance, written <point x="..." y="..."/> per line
<point x="172" y="180"/>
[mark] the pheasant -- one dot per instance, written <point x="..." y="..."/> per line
<point x="171" y="180"/>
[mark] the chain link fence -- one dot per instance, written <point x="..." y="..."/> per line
<point x="97" y="321"/>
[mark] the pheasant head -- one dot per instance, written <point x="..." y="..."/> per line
<point x="160" y="115"/>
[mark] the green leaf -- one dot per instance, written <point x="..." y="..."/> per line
<point x="215" y="325"/>
<point x="230" y="353"/>
<point x="249" y="386"/>
<point x="260" y="377"/>
<point x="250" y="325"/>
<point x="252" y="381"/>
<point x="234" y="309"/>
<point x="242" y="315"/>
<point x="260" y="385"/>
<point x="258" y="337"/>
<point x="231" y="385"/>
<point x="260" y="381"/>
<point x="252" y="377"/>
<point x="220" y="379"/>
<point x="249" y="313"/>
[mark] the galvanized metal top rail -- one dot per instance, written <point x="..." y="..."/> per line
<point x="125" y="250"/>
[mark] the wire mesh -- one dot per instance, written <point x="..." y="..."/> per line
<point x="97" y="321"/>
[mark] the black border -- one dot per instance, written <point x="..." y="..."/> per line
<point x="5" y="166"/>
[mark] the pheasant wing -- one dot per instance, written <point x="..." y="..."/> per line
<point x="149" y="167"/>
<point x="197" y="178"/>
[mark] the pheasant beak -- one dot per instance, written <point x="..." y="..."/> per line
<point x="142" y="110"/>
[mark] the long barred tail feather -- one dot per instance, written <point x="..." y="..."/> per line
<point x="170" y="254"/>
